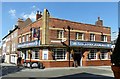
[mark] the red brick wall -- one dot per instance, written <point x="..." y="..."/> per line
<point x="57" y="63"/>
<point x="97" y="63"/>
<point x="58" y="23"/>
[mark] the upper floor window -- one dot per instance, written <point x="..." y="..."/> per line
<point x="92" y="37"/>
<point x="60" y="34"/>
<point x="79" y="36"/>
<point x="104" y="38"/>
<point x="19" y="39"/>
<point x="15" y="34"/>
<point x="27" y="37"/>
<point x="12" y="35"/>
<point x="8" y="48"/>
<point x="23" y="39"/>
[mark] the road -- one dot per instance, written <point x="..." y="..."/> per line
<point x="91" y="72"/>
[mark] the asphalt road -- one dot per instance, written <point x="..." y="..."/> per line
<point x="93" y="72"/>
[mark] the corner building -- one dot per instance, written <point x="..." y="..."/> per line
<point x="91" y="44"/>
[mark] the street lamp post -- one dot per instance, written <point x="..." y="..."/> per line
<point x="69" y="43"/>
<point x="68" y="46"/>
<point x="29" y="51"/>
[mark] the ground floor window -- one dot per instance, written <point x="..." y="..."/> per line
<point x="59" y="53"/>
<point x="92" y="54"/>
<point x="104" y="54"/>
<point x="35" y="54"/>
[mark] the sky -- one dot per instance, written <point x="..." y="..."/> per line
<point x="84" y="12"/>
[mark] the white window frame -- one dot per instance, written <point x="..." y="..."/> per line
<point x="12" y="35"/>
<point x="77" y="36"/>
<point x="14" y="47"/>
<point x="27" y="37"/>
<point x="60" y="34"/>
<point x="23" y="38"/>
<point x="15" y="34"/>
<point x="92" y="37"/>
<point x="63" y="55"/>
<point x="104" y="37"/>
<point x="104" y="54"/>
<point x="91" y="53"/>
<point x="8" y="48"/>
<point x="34" y="54"/>
<point x="20" y="41"/>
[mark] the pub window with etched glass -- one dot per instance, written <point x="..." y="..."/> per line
<point x="60" y="34"/>
<point x="79" y="36"/>
<point x="92" y="37"/>
<point x="59" y="54"/>
<point x="92" y="54"/>
<point x="104" y="38"/>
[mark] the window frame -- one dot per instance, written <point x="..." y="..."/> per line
<point x="104" y="39"/>
<point x="77" y="36"/>
<point x="27" y="37"/>
<point x="95" y="54"/>
<point x="92" y="37"/>
<point x="104" y="54"/>
<point x="60" y="34"/>
<point x="57" y="56"/>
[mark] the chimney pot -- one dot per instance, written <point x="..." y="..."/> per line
<point x="37" y="12"/>
<point x="38" y="15"/>
<point x="98" y="18"/>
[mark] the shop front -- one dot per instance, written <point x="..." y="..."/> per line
<point x="93" y="53"/>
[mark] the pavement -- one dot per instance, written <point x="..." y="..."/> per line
<point x="10" y="71"/>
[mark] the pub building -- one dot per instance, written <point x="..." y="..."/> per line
<point x="52" y="41"/>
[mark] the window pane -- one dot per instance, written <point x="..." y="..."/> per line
<point x="60" y="34"/>
<point x="92" y="54"/>
<point x="92" y="37"/>
<point x="79" y="36"/>
<point x="59" y="53"/>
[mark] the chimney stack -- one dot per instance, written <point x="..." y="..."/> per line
<point x="20" y="22"/>
<point x="38" y="15"/>
<point x="99" y="22"/>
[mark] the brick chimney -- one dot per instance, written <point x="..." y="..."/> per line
<point x="38" y="15"/>
<point x="99" y="22"/>
<point x="20" y="22"/>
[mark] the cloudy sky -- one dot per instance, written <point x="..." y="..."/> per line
<point x="85" y="12"/>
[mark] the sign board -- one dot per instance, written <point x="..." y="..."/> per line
<point x="90" y="44"/>
<point x="29" y="44"/>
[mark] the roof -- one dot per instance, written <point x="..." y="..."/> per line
<point x="11" y="31"/>
<point x="26" y="22"/>
<point x="77" y="22"/>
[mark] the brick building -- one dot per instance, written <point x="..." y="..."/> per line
<point x="47" y="38"/>
<point x="10" y="41"/>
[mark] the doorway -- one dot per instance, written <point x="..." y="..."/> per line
<point x="78" y="56"/>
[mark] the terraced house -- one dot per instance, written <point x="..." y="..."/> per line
<point x="52" y="41"/>
<point x="10" y="42"/>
